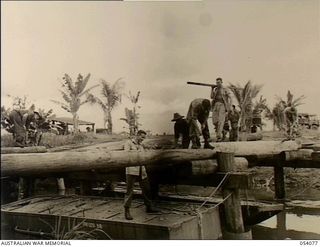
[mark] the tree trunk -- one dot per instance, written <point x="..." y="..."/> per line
<point x="34" y="149"/>
<point x="135" y="125"/>
<point x="105" y="119"/>
<point x="75" y="122"/>
<point x="69" y="161"/>
<point x="109" y="122"/>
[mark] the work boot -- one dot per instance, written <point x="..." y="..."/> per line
<point x="150" y="209"/>
<point x="127" y="214"/>
<point x="207" y="145"/>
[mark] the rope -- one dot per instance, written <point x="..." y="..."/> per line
<point x="215" y="190"/>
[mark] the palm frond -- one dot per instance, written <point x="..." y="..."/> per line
<point x="118" y="85"/>
<point x="137" y="97"/>
<point x="88" y="90"/>
<point x="256" y="90"/>
<point x="298" y="101"/>
<point x="82" y="83"/>
<point x="124" y="119"/>
<point x="236" y="92"/>
<point x="65" y="96"/>
<point x="289" y="98"/>
<point x="63" y="105"/>
<point x="69" y="84"/>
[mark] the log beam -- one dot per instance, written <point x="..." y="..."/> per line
<point x="70" y="161"/>
<point x="20" y="150"/>
<point x="316" y="156"/>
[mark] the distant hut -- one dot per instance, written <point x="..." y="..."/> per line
<point x="65" y="122"/>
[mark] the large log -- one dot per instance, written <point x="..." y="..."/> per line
<point x="316" y="156"/>
<point x="256" y="148"/>
<point x="68" y="161"/>
<point x="250" y="136"/>
<point x="302" y="154"/>
<point x="20" y="150"/>
<point x="303" y="158"/>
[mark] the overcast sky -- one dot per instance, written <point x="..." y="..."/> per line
<point x="156" y="47"/>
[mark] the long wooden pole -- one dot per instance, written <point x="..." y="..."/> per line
<point x="19" y="150"/>
<point x="68" y="161"/>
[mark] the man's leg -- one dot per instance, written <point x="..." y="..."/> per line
<point x="206" y="136"/>
<point x="185" y="142"/>
<point x="232" y="137"/>
<point x="130" y="179"/>
<point x="221" y="119"/>
<point x="145" y="188"/>
<point x="194" y="135"/>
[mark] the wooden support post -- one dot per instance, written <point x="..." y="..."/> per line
<point x="61" y="186"/>
<point x="281" y="225"/>
<point x="279" y="180"/>
<point x="85" y="188"/>
<point x="234" y="227"/>
<point x="25" y="187"/>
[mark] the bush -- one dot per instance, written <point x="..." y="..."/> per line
<point x="7" y="140"/>
<point x="79" y="138"/>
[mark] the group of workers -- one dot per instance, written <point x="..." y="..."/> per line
<point x="223" y="112"/>
<point x="189" y="130"/>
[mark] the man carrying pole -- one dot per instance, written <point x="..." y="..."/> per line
<point x="220" y="106"/>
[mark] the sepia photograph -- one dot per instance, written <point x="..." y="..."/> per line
<point x="160" y="120"/>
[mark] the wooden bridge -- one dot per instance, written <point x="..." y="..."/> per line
<point x="225" y="166"/>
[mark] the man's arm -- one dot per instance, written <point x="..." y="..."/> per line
<point x="212" y="95"/>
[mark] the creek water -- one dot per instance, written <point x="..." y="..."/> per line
<point x="300" y="220"/>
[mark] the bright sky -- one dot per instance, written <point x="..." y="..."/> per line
<point x="157" y="47"/>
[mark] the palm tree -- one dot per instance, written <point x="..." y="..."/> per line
<point x="244" y="96"/>
<point x="132" y="116"/>
<point x="111" y="98"/>
<point x="278" y="112"/>
<point x="278" y="115"/>
<point x="72" y="94"/>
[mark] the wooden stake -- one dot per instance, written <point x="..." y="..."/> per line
<point x="279" y="182"/>
<point x="232" y="205"/>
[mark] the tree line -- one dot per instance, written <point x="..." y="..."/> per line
<point x="76" y="93"/>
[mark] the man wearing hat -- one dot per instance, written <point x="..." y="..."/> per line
<point x="181" y="128"/>
<point x="221" y="102"/>
<point x="199" y="111"/>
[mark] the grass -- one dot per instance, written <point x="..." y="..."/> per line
<point x="51" y="140"/>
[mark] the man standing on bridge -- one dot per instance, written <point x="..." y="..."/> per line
<point x="199" y="110"/>
<point x="221" y="102"/>
<point x="137" y="173"/>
